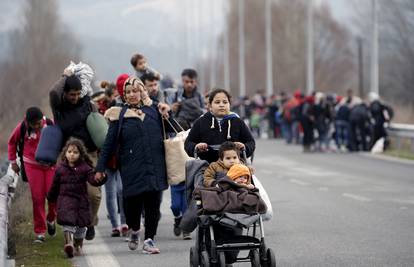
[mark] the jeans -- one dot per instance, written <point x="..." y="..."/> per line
<point x="113" y="190"/>
<point x="342" y="133"/>
<point x="290" y="131"/>
<point x="178" y="199"/>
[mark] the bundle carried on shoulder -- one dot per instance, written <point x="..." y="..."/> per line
<point x="97" y="127"/>
<point x="50" y="144"/>
<point x="85" y="74"/>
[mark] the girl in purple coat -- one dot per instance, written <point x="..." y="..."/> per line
<point x="69" y="190"/>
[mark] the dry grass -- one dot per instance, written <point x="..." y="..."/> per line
<point x="403" y="113"/>
<point x="20" y="213"/>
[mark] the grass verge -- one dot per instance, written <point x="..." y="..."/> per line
<point x="50" y="253"/>
<point x="400" y="154"/>
<point x="21" y="236"/>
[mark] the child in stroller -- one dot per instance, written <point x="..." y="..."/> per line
<point x="219" y="236"/>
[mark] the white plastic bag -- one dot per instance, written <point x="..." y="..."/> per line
<point x="378" y="146"/>
<point x="85" y="74"/>
<point x="263" y="194"/>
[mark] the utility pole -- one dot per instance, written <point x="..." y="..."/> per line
<point x="226" y="48"/>
<point x="360" y="66"/>
<point x="269" y="59"/>
<point x="213" y="44"/>
<point x="242" y="67"/>
<point x="188" y="11"/>
<point x="310" y="61"/>
<point x="374" y="51"/>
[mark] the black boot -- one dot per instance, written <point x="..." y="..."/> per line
<point x="177" y="229"/>
<point x="90" y="233"/>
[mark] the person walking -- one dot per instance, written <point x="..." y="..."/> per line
<point x="24" y="141"/>
<point x="70" y="112"/>
<point x="135" y="136"/>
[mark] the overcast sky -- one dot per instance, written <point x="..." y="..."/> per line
<point x="159" y="24"/>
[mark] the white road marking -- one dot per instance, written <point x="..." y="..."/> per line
<point x="356" y="197"/>
<point x="97" y="253"/>
<point x="299" y="182"/>
<point x="323" y="188"/>
<point x="403" y="208"/>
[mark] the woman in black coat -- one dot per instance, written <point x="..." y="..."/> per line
<point x="217" y="126"/>
<point x="213" y="128"/>
<point x="138" y="142"/>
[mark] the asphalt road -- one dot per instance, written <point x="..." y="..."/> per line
<point x="330" y="210"/>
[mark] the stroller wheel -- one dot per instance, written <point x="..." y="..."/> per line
<point x="221" y="259"/>
<point x="255" y="258"/>
<point x="271" y="258"/>
<point x="194" y="260"/>
<point x="205" y="259"/>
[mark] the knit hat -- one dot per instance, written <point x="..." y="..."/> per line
<point x="72" y="82"/>
<point x="120" y="84"/>
<point x="33" y="114"/>
<point x="238" y="170"/>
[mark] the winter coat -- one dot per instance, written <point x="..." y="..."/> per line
<point x="359" y="114"/>
<point x="31" y="141"/>
<point x="342" y="113"/>
<point x="71" y="118"/>
<point x="229" y="197"/>
<point x="141" y="155"/>
<point x="208" y="130"/>
<point x="191" y="108"/>
<point x="69" y="190"/>
<point x="194" y="170"/>
<point x="214" y="172"/>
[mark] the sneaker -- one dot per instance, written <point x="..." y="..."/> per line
<point x="133" y="240"/>
<point x="39" y="239"/>
<point x="51" y="228"/>
<point x="177" y="229"/>
<point x="149" y="247"/>
<point x="124" y="230"/>
<point x="186" y="235"/>
<point x="90" y="233"/>
<point x="115" y="232"/>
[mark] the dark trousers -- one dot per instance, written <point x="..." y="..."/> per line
<point x="178" y="199"/>
<point x="133" y="207"/>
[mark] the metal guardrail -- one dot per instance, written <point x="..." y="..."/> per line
<point x="8" y="184"/>
<point x="400" y="132"/>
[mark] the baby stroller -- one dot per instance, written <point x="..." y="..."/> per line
<point x="213" y="244"/>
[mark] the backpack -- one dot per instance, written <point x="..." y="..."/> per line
<point x="20" y="147"/>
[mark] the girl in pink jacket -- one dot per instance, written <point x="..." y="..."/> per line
<point x="24" y="141"/>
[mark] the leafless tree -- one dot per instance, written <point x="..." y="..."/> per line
<point x="334" y="56"/>
<point x="38" y="53"/>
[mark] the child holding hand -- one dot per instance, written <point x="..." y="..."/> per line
<point x="69" y="191"/>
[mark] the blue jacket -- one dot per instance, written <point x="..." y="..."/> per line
<point x="140" y="150"/>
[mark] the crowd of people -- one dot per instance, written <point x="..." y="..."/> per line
<point x="131" y="162"/>
<point x="318" y="120"/>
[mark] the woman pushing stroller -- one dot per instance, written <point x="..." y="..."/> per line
<point x="215" y="127"/>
